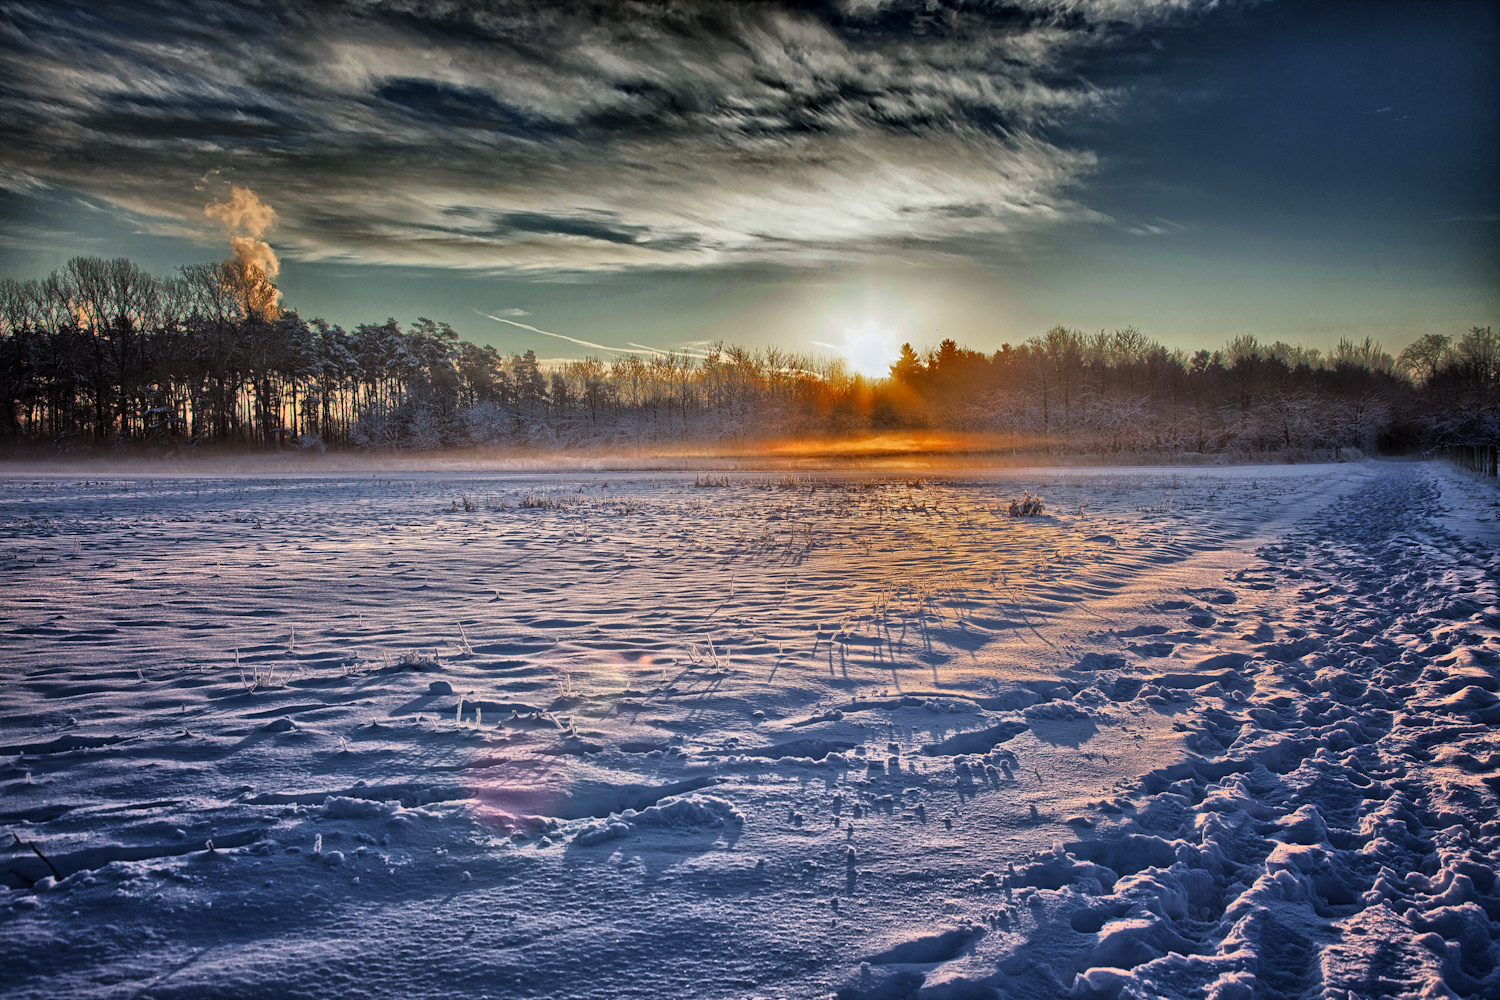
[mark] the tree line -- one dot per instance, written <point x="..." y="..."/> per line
<point x="103" y="355"/>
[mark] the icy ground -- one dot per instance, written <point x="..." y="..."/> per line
<point x="1208" y="733"/>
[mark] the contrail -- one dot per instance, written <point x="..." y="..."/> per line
<point x="634" y="348"/>
<point x="667" y="354"/>
<point x="562" y="336"/>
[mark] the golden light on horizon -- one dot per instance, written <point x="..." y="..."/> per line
<point x="869" y="350"/>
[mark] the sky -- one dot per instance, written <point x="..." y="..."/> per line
<point x="835" y="177"/>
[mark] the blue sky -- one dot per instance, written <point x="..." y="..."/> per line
<point x="798" y="174"/>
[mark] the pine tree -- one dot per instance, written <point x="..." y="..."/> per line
<point x="908" y="368"/>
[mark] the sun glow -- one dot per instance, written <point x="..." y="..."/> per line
<point x="870" y="350"/>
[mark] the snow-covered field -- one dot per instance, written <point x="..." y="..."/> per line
<point x="1191" y="733"/>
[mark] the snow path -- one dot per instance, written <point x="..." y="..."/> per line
<point x="788" y="738"/>
<point x="1335" y="833"/>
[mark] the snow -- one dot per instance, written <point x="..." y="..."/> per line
<point x="1217" y="732"/>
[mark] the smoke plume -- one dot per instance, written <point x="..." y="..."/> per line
<point x="257" y="252"/>
<point x="245" y="218"/>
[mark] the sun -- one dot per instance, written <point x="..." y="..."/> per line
<point x="870" y="350"/>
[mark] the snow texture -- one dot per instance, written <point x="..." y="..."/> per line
<point x="1220" y="733"/>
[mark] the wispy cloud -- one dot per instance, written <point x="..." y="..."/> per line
<point x="1161" y="227"/>
<point x="515" y="135"/>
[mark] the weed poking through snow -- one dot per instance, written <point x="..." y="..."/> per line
<point x="1027" y="506"/>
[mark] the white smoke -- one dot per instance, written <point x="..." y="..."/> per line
<point x="245" y="218"/>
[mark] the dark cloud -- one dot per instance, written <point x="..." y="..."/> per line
<point x="537" y="135"/>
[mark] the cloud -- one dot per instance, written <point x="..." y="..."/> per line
<point x="522" y="136"/>
<point x="1161" y="227"/>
